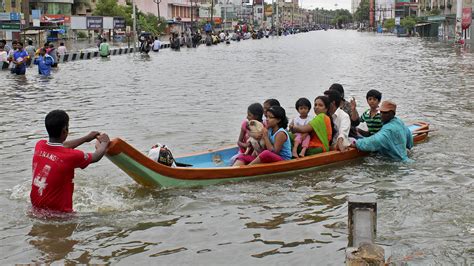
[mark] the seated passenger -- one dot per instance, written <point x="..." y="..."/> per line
<point x="346" y="107"/>
<point x="303" y="106"/>
<point x="266" y="105"/>
<point x="393" y="139"/>
<point x="341" y="121"/>
<point x="371" y="116"/>
<point x="319" y="128"/>
<point x="277" y="140"/>
<point x="254" y="112"/>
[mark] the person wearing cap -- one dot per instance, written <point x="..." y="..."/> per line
<point x="393" y="139"/>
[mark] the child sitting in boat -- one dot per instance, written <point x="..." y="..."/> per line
<point x="266" y="105"/>
<point x="254" y="112"/>
<point x="277" y="140"/>
<point x="319" y="128"/>
<point x="303" y="106"/>
<point x="371" y="116"/>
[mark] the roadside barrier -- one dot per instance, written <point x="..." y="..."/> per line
<point x="85" y="55"/>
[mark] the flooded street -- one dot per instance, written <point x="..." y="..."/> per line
<point x="195" y="100"/>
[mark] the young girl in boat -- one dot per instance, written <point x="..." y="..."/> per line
<point x="254" y="112"/>
<point x="266" y="105"/>
<point x="277" y="140"/>
<point x="303" y="106"/>
<point x="319" y="128"/>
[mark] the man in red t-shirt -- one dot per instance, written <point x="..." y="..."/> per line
<point x="54" y="162"/>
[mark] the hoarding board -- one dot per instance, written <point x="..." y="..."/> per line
<point x="94" y="23"/>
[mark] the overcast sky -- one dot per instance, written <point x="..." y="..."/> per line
<point x="327" y="4"/>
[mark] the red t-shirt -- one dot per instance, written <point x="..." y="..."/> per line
<point x="53" y="173"/>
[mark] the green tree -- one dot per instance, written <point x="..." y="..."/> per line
<point x="145" y="22"/>
<point x="389" y="24"/>
<point x="408" y="23"/>
<point x="363" y="11"/>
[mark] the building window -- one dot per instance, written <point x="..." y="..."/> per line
<point x="13" y="3"/>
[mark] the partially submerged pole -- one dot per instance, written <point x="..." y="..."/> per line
<point x="134" y="27"/>
<point x="362" y="223"/>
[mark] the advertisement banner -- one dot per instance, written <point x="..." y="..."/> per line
<point x="94" y="22"/>
<point x="36" y="14"/>
<point x="466" y="17"/>
<point x="60" y="19"/>
<point x="4" y="16"/>
<point x="119" y="23"/>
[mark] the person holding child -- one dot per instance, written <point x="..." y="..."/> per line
<point x="54" y="162"/>
<point x="277" y="140"/>
<point x="303" y="106"/>
<point x="319" y="128"/>
<point x="371" y="116"/>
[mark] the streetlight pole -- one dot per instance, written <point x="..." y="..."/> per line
<point x="134" y="27"/>
<point x="157" y="2"/>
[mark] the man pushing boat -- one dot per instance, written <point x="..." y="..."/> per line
<point x="54" y="162"/>
<point x="393" y="139"/>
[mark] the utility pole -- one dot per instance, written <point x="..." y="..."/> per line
<point x="212" y="14"/>
<point x="157" y="2"/>
<point x="192" y="17"/>
<point x="458" y="30"/>
<point x="134" y="27"/>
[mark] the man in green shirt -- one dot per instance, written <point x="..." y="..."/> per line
<point x="104" y="49"/>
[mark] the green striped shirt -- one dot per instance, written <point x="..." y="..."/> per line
<point x="373" y="123"/>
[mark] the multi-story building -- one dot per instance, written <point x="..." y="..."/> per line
<point x="53" y="7"/>
<point x="288" y="13"/>
<point x="10" y="6"/>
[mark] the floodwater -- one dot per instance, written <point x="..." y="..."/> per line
<point x="195" y="100"/>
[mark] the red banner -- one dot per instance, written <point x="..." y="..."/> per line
<point x="466" y="17"/>
<point x="60" y="19"/>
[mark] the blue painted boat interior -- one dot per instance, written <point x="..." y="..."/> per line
<point x="219" y="158"/>
<point x="222" y="158"/>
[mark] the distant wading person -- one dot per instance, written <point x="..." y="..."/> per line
<point x="54" y="162"/>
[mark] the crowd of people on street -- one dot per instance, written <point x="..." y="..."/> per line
<point x="18" y="58"/>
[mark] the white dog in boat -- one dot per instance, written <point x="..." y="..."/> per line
<point x="255" y="141"/>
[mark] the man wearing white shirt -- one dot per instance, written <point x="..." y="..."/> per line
<point x="341" y="120"/>
<point x="156" y="45"/>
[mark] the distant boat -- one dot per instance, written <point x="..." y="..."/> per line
<point x="212" y="167"/>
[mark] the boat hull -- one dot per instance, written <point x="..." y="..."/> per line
<point x="212" y="170"/>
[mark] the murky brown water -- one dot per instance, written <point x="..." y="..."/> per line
<point x="196" y="99"/>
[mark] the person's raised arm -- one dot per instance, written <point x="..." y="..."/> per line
<point x="301" y="129"/>
<point x="77" y="142"/>
<point x="100" y="147"/>
<point x="354" y="113"/>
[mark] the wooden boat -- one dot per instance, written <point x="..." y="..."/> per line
<point x="212" y="167"/>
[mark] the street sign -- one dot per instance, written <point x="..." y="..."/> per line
<point x="119" y="23"/>
<point x="94" y="22"/>
<point x="4" y="16"/>
<point x="36" y="14"/>
<point x="15" y="16"/>
<point x="10" y="26"/>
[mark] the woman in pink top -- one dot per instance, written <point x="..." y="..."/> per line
<point x="254" y="112"/>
